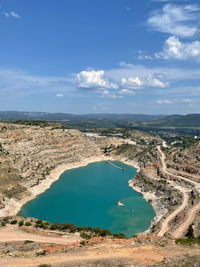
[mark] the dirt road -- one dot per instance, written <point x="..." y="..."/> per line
<point x="191" y="213"/>
<point x="10" y="233"/>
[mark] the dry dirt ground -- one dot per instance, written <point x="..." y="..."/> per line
<point x="65" y="250"/>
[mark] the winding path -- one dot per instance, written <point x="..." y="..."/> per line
<point x="165" y="225"/>
<point x="9" y="234"/>
<point x="191" y="213"/>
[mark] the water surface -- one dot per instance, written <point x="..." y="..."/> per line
<point x="88" y="196"/>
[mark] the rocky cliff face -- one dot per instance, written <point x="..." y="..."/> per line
<point x="28" y="154"/>
<point x="185" y="161"/>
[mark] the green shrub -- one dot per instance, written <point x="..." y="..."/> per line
<point x="55" y="226"/>
<point x="13" y="222"/>
<point x="28" y="223"/>
<point x="28" y="241"/>
<point x="188" y="241"/>
<point x="105" y="232"/>
<point x="190" y="232"/>
<point x="96" y="230"/>
<point x="41" y="253"/>
<point x="82" y="243"/>
<point x="44" y="265"/>
<point x="85" y="236"/>
<point x="120" y="236"/>
<point x="21" y="223"/>
<point x="3" y="223"/>
<point x="41" y="225"/>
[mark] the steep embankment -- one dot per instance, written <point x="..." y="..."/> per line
<point x="32" y="157"/>
<point x="190" y="215"/>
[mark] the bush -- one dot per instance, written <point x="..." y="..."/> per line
<point x="41" y="225"/>
<point x="85" y="236"/>
<point x="21" y="223"/>
<point x="105" y="232"/>
<point x="82" y="243"/>
<point x="28" y="241"/>
<point x="3" y="223"/>
<point x="55" y="226"/>
<point x="28" y="223"/>
<point x="44" y="265"/>
<point x="190" y="232"/>
<point x="41" y="253"/>
<point x="96" y="230"/>
<point x="120" y="236"/>
<point x="188" y="241"/>
<point x="13" y="222"/>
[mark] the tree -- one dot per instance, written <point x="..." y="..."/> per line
<point x="190" y="232"/>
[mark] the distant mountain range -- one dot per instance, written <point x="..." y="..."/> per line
<point x="179" y="121"/>
<point x="18" y="115"/>
<point x="107" y="120"/>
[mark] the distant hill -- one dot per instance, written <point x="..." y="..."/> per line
<point x="179" y="121"/>
<point x="107" y="120"/>
<point x="17" y="115"/>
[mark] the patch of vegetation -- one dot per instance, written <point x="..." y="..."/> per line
<point x="82" y="243"/>
<point x="13" y="222"/>
<point x="188" y="241"/>
<point x="44" y="265"/>
<point x="86" y="232"/>
<point x="190" y="232"/>
<point x="41" y="253"/>
<point x="120" y="236"/>
<point x="3" y="223"/>
<point x="28" y="241"/>
<point x="41" y="224"/>
<point x="21" y="223"/>
<point x="28" y="223"/>
<point x="85" y="236"/>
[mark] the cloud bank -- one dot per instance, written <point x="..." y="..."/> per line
<point x="179" y="20"/>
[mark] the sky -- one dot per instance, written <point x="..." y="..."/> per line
<point x="100" y="56"/>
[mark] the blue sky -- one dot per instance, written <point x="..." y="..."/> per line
<point x="100" y="56"/>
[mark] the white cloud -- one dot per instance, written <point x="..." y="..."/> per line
<point x="132" y="82"/>
<point x="135" y="83"/>
<point x="94" y="79"/>
<point x="126" y="92"/>
<point x="134" y="77"/>
<point x="115" y="96"/>
<point x="177" y="20"/>
<point x="14" y="15"/>
<point x="11" y="14"/>
<point x="174" y="48"/>
<point x="59" y="95"/>
<point x="155" y="82"/>
<point x="164" y="102"/>
<point x="141" y="57"/>
<point x="187" y="101"/>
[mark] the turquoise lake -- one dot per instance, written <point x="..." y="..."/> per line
<point x="88" y="196"/>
